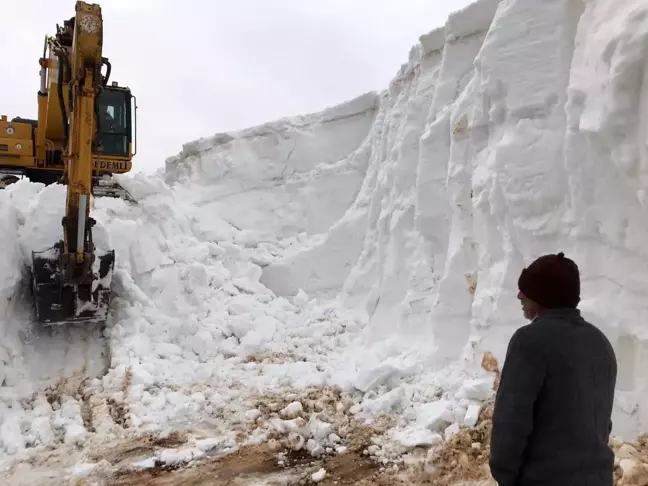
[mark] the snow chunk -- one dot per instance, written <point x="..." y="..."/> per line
<point x="83" y="470"/>
<point x="252" y="414"/>
<point x="416" y="436"/>
<point x="319" y="475"/>
<point x="314" y="448"/>
<point x="472" y="415"/>
<point x="451" y="431"/>
<point x="292" y="410"/>
<point x="435" y="416"/>
<point x="296" y="441"/>
<point x="478" y="389"/>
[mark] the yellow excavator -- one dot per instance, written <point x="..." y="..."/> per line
<point x="82" y="136"/>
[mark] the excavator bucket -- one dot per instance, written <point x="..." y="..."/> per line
<point x="57" y="302"/>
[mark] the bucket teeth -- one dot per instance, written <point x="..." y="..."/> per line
<point x="57" y="302"/>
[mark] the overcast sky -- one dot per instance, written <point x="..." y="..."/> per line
<point x="199" y="67"/>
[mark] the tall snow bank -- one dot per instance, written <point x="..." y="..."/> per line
<point x="296" y="174"/>
<point x="518" y="129"/>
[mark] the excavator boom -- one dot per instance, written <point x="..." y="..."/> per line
<point x="71" y="281"/>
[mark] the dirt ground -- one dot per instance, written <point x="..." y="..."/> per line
<point x="458" y="461"/>
<point x="255" y="465"/>
<point x="461" y="460"/>
<point x="258" y="465"/>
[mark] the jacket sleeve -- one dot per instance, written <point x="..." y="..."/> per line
<point x="523" y="375"/>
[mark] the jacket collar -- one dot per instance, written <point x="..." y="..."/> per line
<point x="562" y="313"/>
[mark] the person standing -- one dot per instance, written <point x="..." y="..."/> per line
<point x="553" y="408"/>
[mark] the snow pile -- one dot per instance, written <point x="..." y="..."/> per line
<point x="192" y="333"/>
<point x="517" y="129"/>
<point x="193" y="336"/>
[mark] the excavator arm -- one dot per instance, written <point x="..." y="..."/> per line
<point x="70" y="281"/>
<point x="85" y="85"/>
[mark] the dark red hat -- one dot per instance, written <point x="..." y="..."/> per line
<point x="552" y="281"/>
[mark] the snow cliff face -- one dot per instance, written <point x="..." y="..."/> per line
<point x="518" y="129"/>
<point x="290" y="176"/>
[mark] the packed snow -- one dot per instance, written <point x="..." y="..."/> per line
<point x="372" y="248"/>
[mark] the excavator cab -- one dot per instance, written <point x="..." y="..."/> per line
<point x="114" y="123"/>
<point x="114" y="144"/>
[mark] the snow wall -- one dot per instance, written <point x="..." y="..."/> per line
<point x="518" y="129"/>
<point x="283" y="178"/>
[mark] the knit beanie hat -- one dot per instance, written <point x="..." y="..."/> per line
<point x="551" y="281"/>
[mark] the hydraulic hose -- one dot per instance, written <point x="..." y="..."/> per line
<point x="66" y="128"/>
<point x="97" y="114"/>
<point x="108" y="69"/>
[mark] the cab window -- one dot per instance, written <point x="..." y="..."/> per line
<point x="113" y="123"/>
